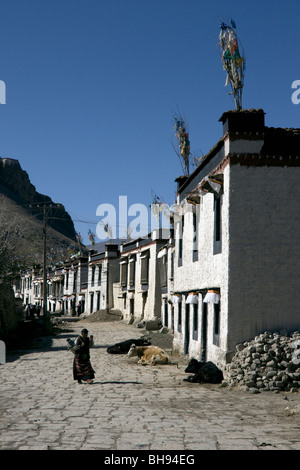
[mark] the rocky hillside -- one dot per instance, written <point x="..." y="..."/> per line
<point x="21" y="222"/>
<point x="15" y="185"/>
<point x="22" y="235"/>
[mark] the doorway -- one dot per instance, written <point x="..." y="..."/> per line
<point x="187" y="329"/>
<point x="131" y="307"/>
<point x="204" y="332"/>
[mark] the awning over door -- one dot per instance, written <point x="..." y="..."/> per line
<point x="212" y="296"/>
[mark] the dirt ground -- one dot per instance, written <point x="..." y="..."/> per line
<point x="162" y="340"/>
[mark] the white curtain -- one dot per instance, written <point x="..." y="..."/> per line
<point x="192" y="299"/>
<point x="212" y="296"/>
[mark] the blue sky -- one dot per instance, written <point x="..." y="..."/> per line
<point x="92" y="87"/>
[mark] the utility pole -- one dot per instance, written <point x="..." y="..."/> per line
<point x="46" y="315"/>
<point x="46" y="319"/>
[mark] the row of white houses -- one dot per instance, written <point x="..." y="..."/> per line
<point x="229" y="269"/>
<point x="114" y="276"/>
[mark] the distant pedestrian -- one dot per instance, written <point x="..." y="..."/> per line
<point x="82" y="368"/>
<point x="27" y="312"/>
<point x="38" y="311"/>
<point x="31" y="311"/>
<point x="78" y="309"/>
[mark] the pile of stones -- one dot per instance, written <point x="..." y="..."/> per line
<point x="270" y="362"/>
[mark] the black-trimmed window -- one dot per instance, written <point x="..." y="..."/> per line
<point x="216" y="326"/>
<point x="166" y="314"/>
<point x="99" y="274"/>
<point x="132" y="271"/>
<point x="217" y="224"/>
<point x="204" y="331"/>
<point x="145" y="267"/>
<point x="179" y="326"/>
<point x="195" y="321"/>
<point x="195" y="236"/>
<point x="180" y="241"/>
<point x="93" y="275"/>
<point x="123" y="269"/>
<point x="92" y="302"/>
<point x="163" y="270"/>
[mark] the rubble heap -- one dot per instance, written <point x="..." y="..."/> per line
<point x="270" y="362"/>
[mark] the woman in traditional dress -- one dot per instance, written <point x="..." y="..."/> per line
<point x="82" y="368"/>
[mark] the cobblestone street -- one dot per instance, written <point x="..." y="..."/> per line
<point x="130" y="406"/>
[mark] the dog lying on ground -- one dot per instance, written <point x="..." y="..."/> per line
<point x="124" y="346"/>
<point x="204" y="372"/>
<point x="151" y="355"/>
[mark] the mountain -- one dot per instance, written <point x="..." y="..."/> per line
<point x="21" y="222"/>
<point x="15" y="185"/>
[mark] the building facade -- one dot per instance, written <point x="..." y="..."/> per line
<point x="103" y="272"/>
<point x="236" y="241"/>
<point x="139" y="289"/>
<point x="230" y="269"/>
<point x="165" y="260"/>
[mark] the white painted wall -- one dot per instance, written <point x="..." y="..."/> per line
<point x="257" y="270"/>
<point x="264" y="267"/>
<point x="144" y="299"/>
<point x="211" y="270"/>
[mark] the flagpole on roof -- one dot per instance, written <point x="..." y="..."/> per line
<point x="233" y="61"/>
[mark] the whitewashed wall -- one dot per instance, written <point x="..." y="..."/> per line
<point x="264" y="251"/>
<point x="211" y="270"/>
<point x="145" y="300"/>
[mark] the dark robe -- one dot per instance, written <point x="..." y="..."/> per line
<point x="82" y="368"/>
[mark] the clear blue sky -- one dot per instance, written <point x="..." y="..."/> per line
<point x="92" y="86"/>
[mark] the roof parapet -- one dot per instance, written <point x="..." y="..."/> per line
<point x="243" y="121"/>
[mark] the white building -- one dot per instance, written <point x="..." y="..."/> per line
<point x="165" y="260"/>
<point x="236" y="240"/>
<point x="66" y="287"/>
<point x="139" y="289"/>
<point x="103" y="272"/>
<point x="75" y="286"/>
<point x="29" y="286"/>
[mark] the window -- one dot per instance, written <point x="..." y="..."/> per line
<point x="195" y="237"/>
<point x="180" y="241"/>
<point x="145" y="267"/>
<point x="195" y="321"/>
<point x="99" y="274"/>
<point x="132" y="272"/>
<point x="204" y="332"/>
<point x="217" y="224"/>
<point x="75" y="281"/>
<point x="163" y="270"/>
<point x="92" y="303"/>
<point x="166" y="313"/>
<point x="179" y="327"/>
<point x="216" y="331"/>
<point x="123" y="273"/>
<point x="172" y="266"/>
<point x="93" y="275"/>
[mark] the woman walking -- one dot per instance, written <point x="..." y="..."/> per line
<point x="82" y="368"/>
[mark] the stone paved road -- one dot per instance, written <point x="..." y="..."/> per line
<point x="131" y="407"/>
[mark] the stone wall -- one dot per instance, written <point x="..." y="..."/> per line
<point x="269" y="362"/>
<point x="10" y="312"/>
